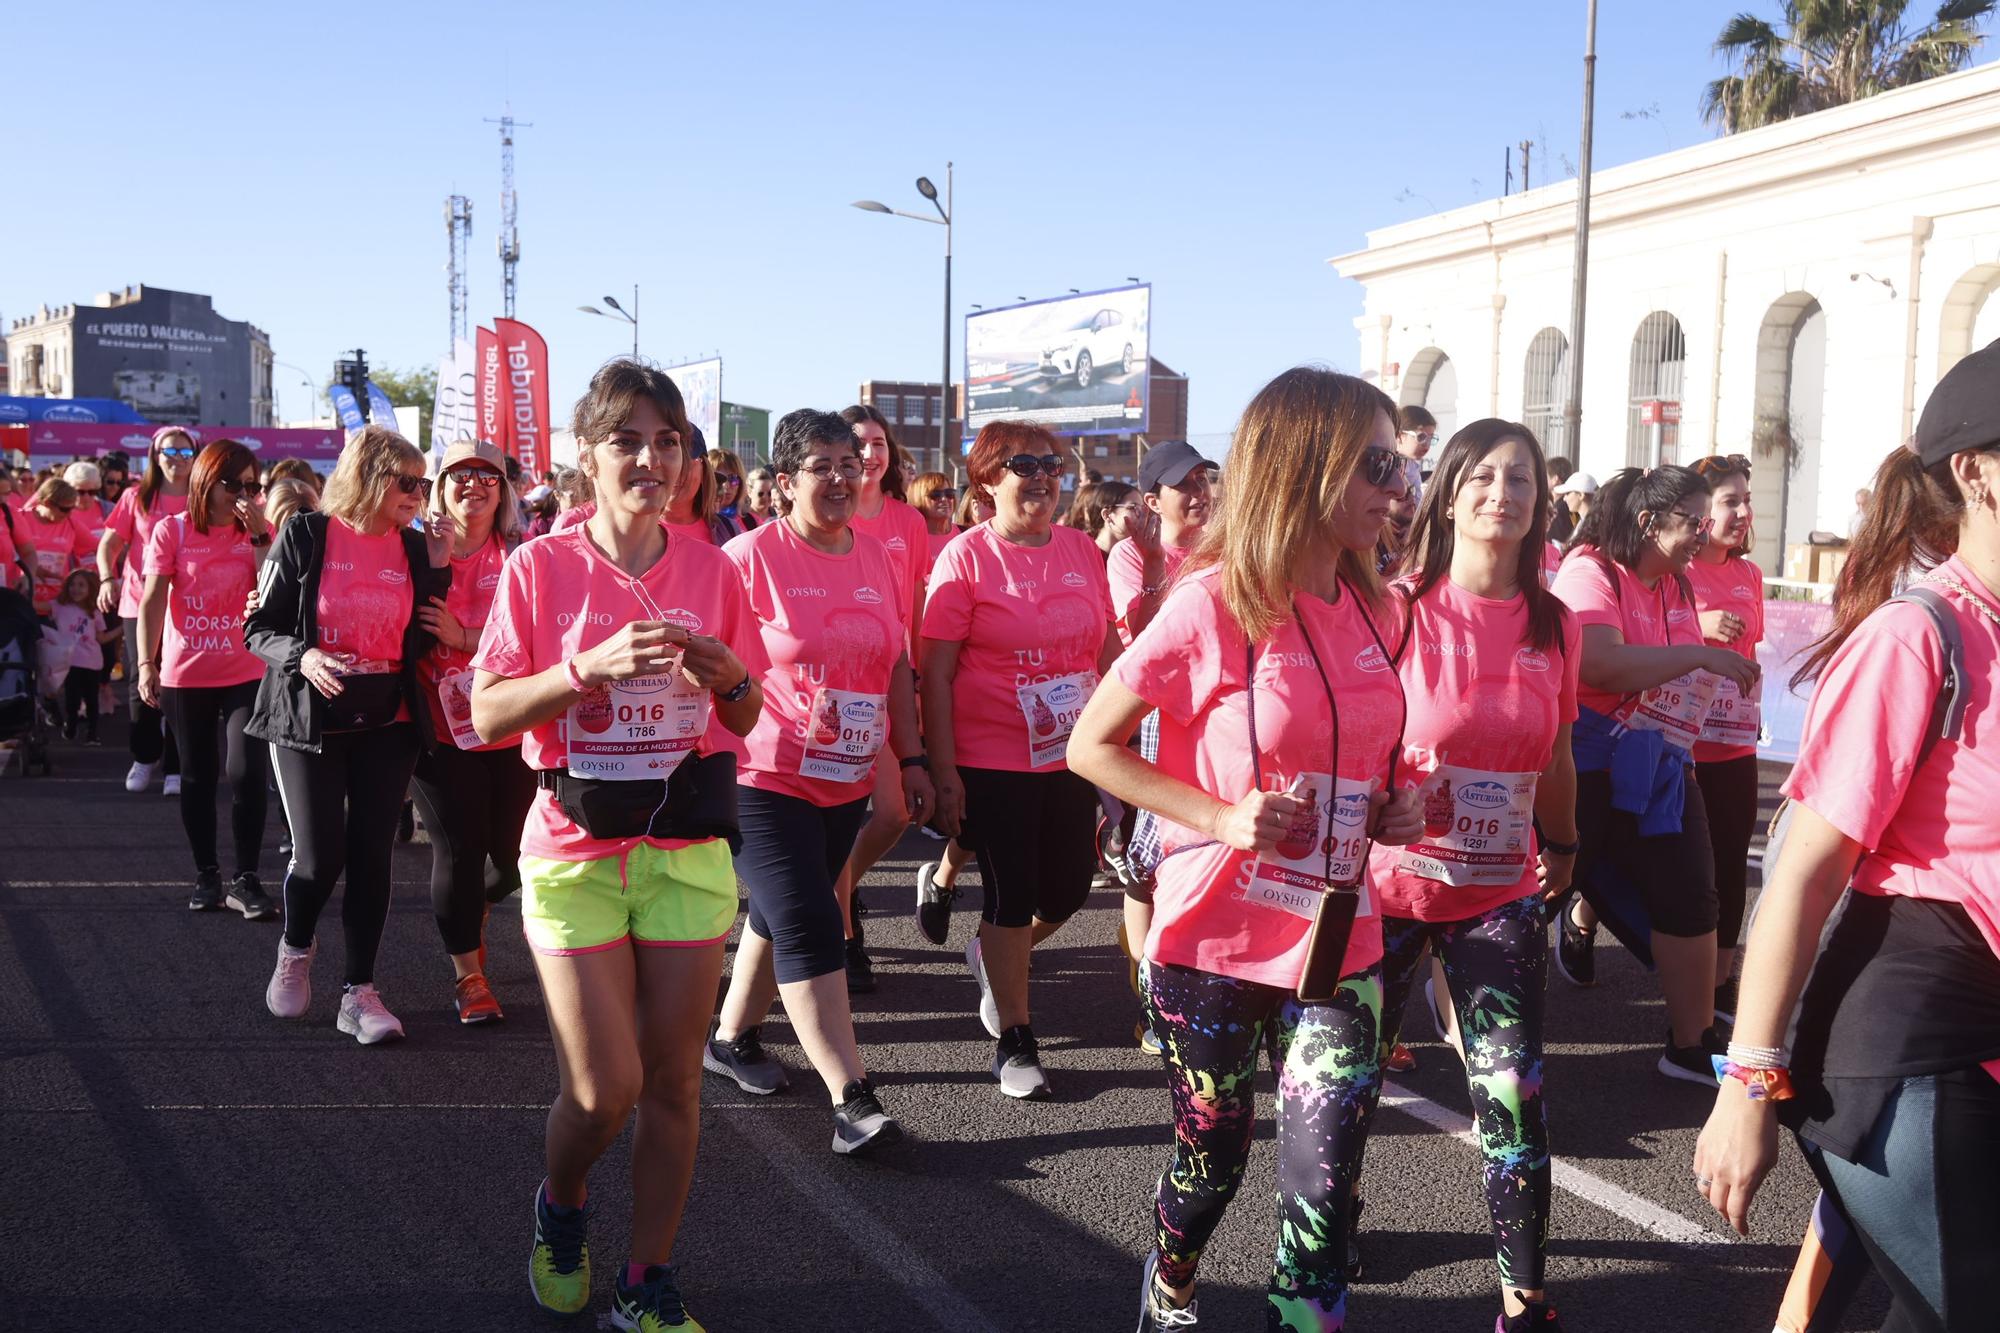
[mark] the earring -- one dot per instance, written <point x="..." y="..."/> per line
<point x="1979" y="494"/>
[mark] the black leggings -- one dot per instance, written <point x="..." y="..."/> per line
<point x="1673" y="873"/>
<point x="210" y="723"/>
<point x="474" y="803"/>
<point x="1729" y="789"/>
<point x="1036" y="838"/>
<point x="793" y="851"/>
<point x="343" y="804"/>
<point x="80" y="695"/>
<point x="150" y="739"/>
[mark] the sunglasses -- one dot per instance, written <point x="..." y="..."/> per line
<point x="90" y="490"/>
<point x="944" y="495"/>
<point x="1704" y="524"/>
<point x="177" y="451"/>
<point x="475" y="476"/>
<point x="1380" y="466"/>
<point x="410" y="485"/>
<point x="65" y="509"/>
<point x="235" y="487"/>
<point x="1724" y="464"/>
<point x="1027" y="465"/>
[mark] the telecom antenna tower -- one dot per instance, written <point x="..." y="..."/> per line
<point x="510" y="238"/>
<point x="458" y="225"/>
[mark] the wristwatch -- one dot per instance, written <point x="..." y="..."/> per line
<point x="737" y="693"/>
<point x="922" y="761"/>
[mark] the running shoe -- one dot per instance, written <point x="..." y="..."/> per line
<point x="743" y="1060"/>
<point x="934" y="903"/>
<point x="1725" y="1002"/>
<point x="406" y="822"/>
<point x="1691" y="1063"/>
<point x="1156" y="1310"/>
<point x="1576" y="950"/>
<point x="860" y="1123"/>
<point x="989" y="1010"/>
<point x="365" y="1018"/>
<point x="860" y="971"/>
<point x="654" y="1305"/>
<point x="559" y="1261"/>
<point x="170" y="785"/>
<point x="1149" y="1040"/>
<point x="1017" y="1063"/>
<point x="246" y="895"/>
<point x="1352" y="1265"/>
<point x="207" y="895"/>
<point x="475" y="1001"/>
<point x="1538" y="1317"/>
<point x="140" y="776"/>
<point x="1401" y="1059"/>
<point x="290" y="993"/>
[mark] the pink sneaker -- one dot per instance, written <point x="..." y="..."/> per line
<point x="365" y="1018"/>
<point x="291" y="990"/>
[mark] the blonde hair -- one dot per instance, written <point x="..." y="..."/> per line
<point x="288" y="496"/>
<point x="922" y="488"/>
<point x="1296" y="452"/>
<point x="506" y="513"/>
<point x="374" y="457"/>
<point x="54" y="492"/>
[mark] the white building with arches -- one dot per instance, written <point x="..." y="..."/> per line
<point x="1790" y="293"/>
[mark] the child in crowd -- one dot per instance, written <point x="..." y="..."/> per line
<point x="78" y="619"/>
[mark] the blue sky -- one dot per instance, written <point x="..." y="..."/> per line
<point x="293" y="162"/>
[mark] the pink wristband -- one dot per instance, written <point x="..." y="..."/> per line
<point x="574" y="678"/>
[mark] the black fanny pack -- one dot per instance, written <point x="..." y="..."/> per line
<point x="365" y="702"/>
<point x="696" y="802"/>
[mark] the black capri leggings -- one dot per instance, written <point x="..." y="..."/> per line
<point x="343" y="804"/>
<point x="209" y="721"/>
<point x="150" y="739"/>
<point x="474" y="803"/>
<point x="1036" y="838"/>
<point x="793" y="851"/>
<point x="1729" y="790"/>
<point x="1673" y="872"/>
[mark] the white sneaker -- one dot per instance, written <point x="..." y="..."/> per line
<point x="364" y="1017"/>
<point x="989" y="1009"/>
<point x="291" y="990"/>
<point x="140" y="776"/>
<point x="171" y="785"/>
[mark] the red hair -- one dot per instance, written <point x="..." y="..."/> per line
<point x="999" y="441"/>
<point x="220" y="459"/>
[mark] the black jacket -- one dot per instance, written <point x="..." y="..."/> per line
<point x="289" y="710"/>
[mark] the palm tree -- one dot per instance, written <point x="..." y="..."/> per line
<point x="1831" y="52"/>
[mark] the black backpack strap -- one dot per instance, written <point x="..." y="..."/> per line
<point x="1948" y="713"/>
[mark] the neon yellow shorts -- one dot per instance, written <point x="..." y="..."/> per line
<point x="666" y="898"/>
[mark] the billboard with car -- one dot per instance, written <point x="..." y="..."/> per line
<point x="1076" y="364"/>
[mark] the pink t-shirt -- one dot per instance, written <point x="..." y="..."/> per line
<point x="572" y="516"/>
<point x="1737" y="586"/>
<point x="1126" y="570"/>
<point x="696" y="531"/>
<point x="1481" y="698"/>
<point x="59" y="546"/>
<point x="558" y="596"/>
<point x="833" y="630"/>
<point x="904" y="534"/>
<point x="940" y="540"/>
<point x="88" y="518"/>
<point x="474" y="580"/>
<point x="1212" y="909"/>
<point x="1025" y="616"/>
<point x="83" y="627"/>
<point x="209" y="576"/>
<point x="134" y="527"/>
<point x="7" y="552"/>
<point x="364" y="596"/>
<point x="1655" y="617"/>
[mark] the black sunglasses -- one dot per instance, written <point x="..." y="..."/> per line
<point x="944" y="495"/>
<point x="234" y="487"/>
<point x="1026" y="465"/>
<point x="1379" y="466"/>
<point x="410" y="485"/>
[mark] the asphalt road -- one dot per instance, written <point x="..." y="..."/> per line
<point x="178" y="1159"/>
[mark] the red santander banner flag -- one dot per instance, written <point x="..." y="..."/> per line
<point x="526" y="404"/>
<point x="491" y="391"/>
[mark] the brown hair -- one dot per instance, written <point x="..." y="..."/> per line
<point x="156" y="475"/>
<point x="89" y="600"/>
<point x="292" y="469"/>
<point x="1718" y="468"/>
<point x="374" y="457"/>
<point x="607" y="403"/>
<point x="922" y="489"/>
<point x="1296" y="452"/>
<point x="55" y="493"/>
<point x="1413" y="416"/>
<point x="999" y="441"/>
<point x="969" y="497"/>
<point x="1095" y="502"/>
<point x="892" y="476"/>
<point x="217" y="460"/>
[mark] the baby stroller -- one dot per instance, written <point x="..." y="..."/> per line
<point x="23" y="727"/>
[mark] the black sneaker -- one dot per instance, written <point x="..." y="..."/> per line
<point x="406" y="823"/>
<point x="207" y="895"/>
<point x="1691" y="1063"/>
<point x="1538" y="1317"/>
<point x="1725" y="1002"/>
<point x="1156" y="1312"/>
<point x="1576" y="950"/>
<point x="743" y="1060"/>
<point x="652" y="1305"/>
<point x="247" y="896"/>
<point x="933" y="903"/>
<point x="860" y="972"/>
<point x="1352" y="1265"/>
<point x="859" y="1122"/>
<point x="1017" y="1063"/>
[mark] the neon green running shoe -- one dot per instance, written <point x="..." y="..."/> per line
<point x="559" y="1263"/>
<point x="654" y="1306"/>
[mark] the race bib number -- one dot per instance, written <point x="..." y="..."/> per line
<point x="1476" y="827"/>
<point x="1674" y="709"/>
<point x="50" y="568"/>
<point x="1733" y="717"/>
<point x="632" y="730"/>
<point x="844" y="733"/>
<point x="455" y="706"/>
<point x="1329" y="836"/>
<point x="1051" y="708"/>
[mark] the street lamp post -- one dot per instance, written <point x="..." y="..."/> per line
<point x="929" y="191"/>
<point x="620" y="312"/>
<point x="312" y="402"/>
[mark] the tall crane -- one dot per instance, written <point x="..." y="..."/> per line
<point x="509" y="241"/>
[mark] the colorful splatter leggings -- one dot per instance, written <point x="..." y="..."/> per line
<point x="1496" y="966"/>
<point x="1325" y="1057"/>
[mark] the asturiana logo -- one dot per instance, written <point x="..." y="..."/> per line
<point x="1350" y="808"/>
<point x="1074" y="579"/>
<point x="1532" y="659"/>
<point x="1372" y="658"/>
<point x="682" y="617"/>
<point x="1065" y="693"/>
<point x="867" y="596"/>
<point x="1486" y="795"/>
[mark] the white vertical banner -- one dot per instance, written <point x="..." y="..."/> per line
<point x="455" y="413"/>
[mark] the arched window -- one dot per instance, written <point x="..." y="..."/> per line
<point x="1545" y="391"/>
<point x="1785" y="437"/>
<point x="1432" y="383"/>
<point x="1652" y="427"/>
<point x="1971" y="316"/>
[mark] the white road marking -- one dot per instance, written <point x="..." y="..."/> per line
<point x="1640" y="1212"/>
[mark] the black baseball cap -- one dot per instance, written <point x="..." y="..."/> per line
<point x="1964" y="410"/>
<point x="699" y="449"/>
<point x="1168" y="463"/>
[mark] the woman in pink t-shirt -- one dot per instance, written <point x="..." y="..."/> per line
<point x="121" y="551"/>
<point x="199" y="568"/>
<point x="618" y="651"/>
<point x="1279" y="717"/>
<point x="839" y="709"/>
<point x="1489" y="666"/>
<point x="1646" y="681"/>
<point x="1729" y="599"/>
<point x="1892" y="1081"/>
<point x="45" y="526"/>
<point x="692" y="510"/>
<point x="474" y="796"/>
<point x="1017" y="630"/>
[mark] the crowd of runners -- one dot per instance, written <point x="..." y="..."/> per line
<point x="1360" y="711"/>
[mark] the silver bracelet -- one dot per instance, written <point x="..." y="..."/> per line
<point x="1757" y="1057"/>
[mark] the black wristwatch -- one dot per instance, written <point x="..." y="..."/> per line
<point x="738" y="692"/>
<point x="922" y="761"/>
